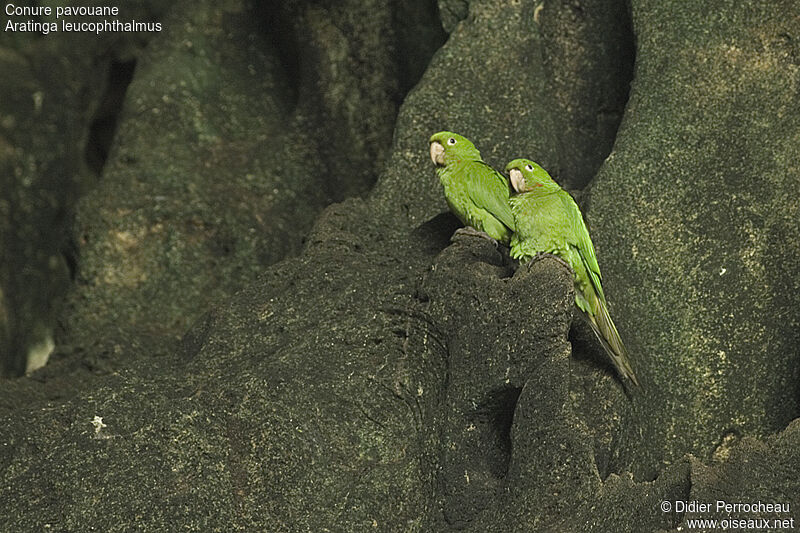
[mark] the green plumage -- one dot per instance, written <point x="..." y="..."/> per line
<point x="547" y="220"/>
<point x="476" y="193"/>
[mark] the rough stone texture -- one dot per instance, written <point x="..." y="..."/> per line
<point x="234" y="420"/>
<point x="231" y="142"/>
<point x="588" y="54"/>
<point x="752" y="467"/>
<point x="695" y="221"/>
<point x="495" y="344"/>
<point x="328" y="419"/>
<point x="55" y="89"/>
<point x="388" y="379"/>
<point x="467" y="89"/>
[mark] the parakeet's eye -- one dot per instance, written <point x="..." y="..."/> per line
<point x="529" y="167"/>
<point x="451" y="141"/>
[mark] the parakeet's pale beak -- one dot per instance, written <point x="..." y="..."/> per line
<point x="437" y="153"/>
<point x="517" y="181"/>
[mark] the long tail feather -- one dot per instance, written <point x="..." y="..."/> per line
<point x="607" y="334"/>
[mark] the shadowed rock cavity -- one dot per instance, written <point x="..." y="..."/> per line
<point x="104" y="122"/>
<point x="588" y="56"/>
<point x="495" y="343"/>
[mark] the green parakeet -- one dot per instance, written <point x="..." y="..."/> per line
<point x="548" y="220"/>
<point x="476" y="193"/>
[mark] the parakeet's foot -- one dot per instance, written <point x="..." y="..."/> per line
<point x="542" y="255"/>
<point x="472" y="232"/>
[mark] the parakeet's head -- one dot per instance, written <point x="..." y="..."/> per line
<point x="448" y="147"/>
<point x="525" y="175"/>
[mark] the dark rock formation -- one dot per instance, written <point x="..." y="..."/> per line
<point x="386" y="378"/>
<point x="232" y="140"/>
<point x="58" y="107"/>
<point x="695" y="227"/>
<point x="588" y="54"/>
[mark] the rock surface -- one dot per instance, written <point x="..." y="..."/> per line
<point x="702" y="260"/>
<point x="231" y="142"/>
<point x="57" y="113"/>
<point x="387" y="378"/>
<point x="588" y="56"/>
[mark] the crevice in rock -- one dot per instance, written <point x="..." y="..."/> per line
<point x="434" y="235"/>
<point x="682" y="490"/>
<point x="586" y="347"/>
<point x="418" y="37"/>
<point x="197" y="335"/>
<point x="476" y="460"/>
<point x="104" y="124"/>
<point x="499" y="412"/>
<point x="70" y="253"/>
<point x="280" y="33"/>
<point x="589" y="54"/>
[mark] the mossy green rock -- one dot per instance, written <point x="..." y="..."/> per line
<point x="388" y="378"/>
<point x="695" y="218"/>
<point x="231" y="141"/>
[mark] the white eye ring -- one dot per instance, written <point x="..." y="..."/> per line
<point x="529" y="167"/>
<point x="451" y="141"/>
